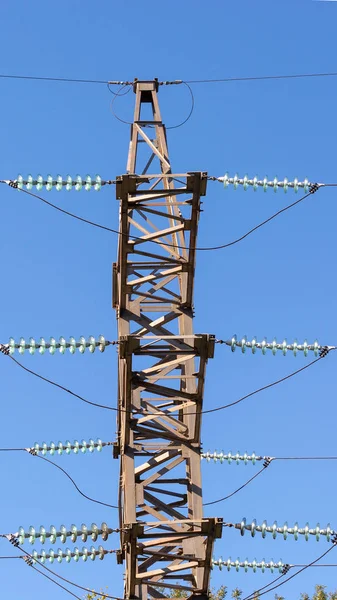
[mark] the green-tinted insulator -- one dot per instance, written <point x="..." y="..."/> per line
<point x="68" y="447"/>
<point x="284" y="347"/>
<point x="32" y="346"/>
<point x="59" y="448"/>
<point x="264" y="529"/>
<point x="225" y="180"/>
<point x="233" y="343"/>
<point x="39" y="183"/>
<point x="274" y="346"/>
<point x="92" y="553"/>
<point x="59" y="555"/>
<point x="253" y="528"/>
<point x="72" y="345"/>
<point x="316" y="348"/>
<point x="52" y="449"/>
<point x="295" y="185"/>
<point x="91" y="445"/>
<point x="255" y="186"/>
<point x="11" y="345"/>
<point x="100" y="552"/>
<point x="101" y="340"/>
<point x="274" y="530"/>
<point x="105" y="532"/>
<point x="63" y="345"/>
<point x="22" y="346"/>
<point x="82" y="345"/>
<point x="85" y="553"/>
<point x="245" y="184"/>
<point x="83" y="446"/>
<point x="49" y="183"/>
<point x="305" y="348"/>
<point x="53" y="534"/>
<point x="29" y="183"/>
<point x="63" y="534"/>
<point x="68" y="555"/>
<point x="98" y="183"/>
<point x="264" y="346"/>
<point x="275" y="184"/>
<point x="43" y="556"/>
<point x="44" y="448"/>
<point x="42" y="535"/>
<point x="21" y="535"/>
<point x="265" y="184"/>
<point x="253" y="458"/>
<point x="42" y="346"/>
<point x="74" y="533"/>
<point x="35" y="556"/>
<point x="59" y="182"/>
<point x="51" y="555"/>
<point x="78" y="184"/>
<point x="84" y="532"/>
<point x="295" y="528"/>
<point x="69" y="184"/>
<point x="32" y="535"/>
<point x="76" y="447"/>
<point x="88" y="183"/>
<point x="235" y="181"/>
<point x="306" y="185"/>
<point x="92" y="344"/>
<point x="295" y="347"/>
<point x="19" y="182"/>
<point x="52" y="347"/>
<point x="285" y="185"/>
<point x="244" y="344"/>
<point x="94" y="532"/>
<point x="76" y="554"/>
<point x="99" y="445"/>
<point x="285" y="530"/>
<point x="253" y="345"/>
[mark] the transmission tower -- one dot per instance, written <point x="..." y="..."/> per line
<point x="166" y="544"/>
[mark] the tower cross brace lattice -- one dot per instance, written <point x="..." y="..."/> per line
<point x="166" y="543"/>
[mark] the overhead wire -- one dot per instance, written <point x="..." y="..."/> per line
<point x="238" y="489"/>
<point x="158" y="242"/>
<point x="262" y="77"/>
<point x="161" y="413"/>
<point x="72" y="481"/>
<point x="56" y="582"/>
<point x="271" y="589"/>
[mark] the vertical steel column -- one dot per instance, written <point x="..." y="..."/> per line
<point x="166" y="543"/>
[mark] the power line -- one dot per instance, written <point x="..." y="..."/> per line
<point x="262" y="78"/>
<point x="161" y="413"/>
<point x="240" y="488"/>
<point x="56" y="582"/>
<point x="177" y="247"/>
<point x="251" y="596"/>
<point x="72" y="481"/>
<point x="59" y="79"/>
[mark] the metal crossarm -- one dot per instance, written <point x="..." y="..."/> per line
<point x="162" y="366"/>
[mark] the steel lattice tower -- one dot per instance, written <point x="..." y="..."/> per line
<point x="166" y="543"/>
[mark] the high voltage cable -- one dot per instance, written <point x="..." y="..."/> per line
<point x="14" y="542"/>
<point x="177" y="247"/>
<point x="190" y="81"/>
<point x="161" y="413"/>
<point x="238" y="489"/>
<point x="56" y="582"/>
<point x="253" y="594"/>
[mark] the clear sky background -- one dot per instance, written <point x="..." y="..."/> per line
<point x="56" y="272"/>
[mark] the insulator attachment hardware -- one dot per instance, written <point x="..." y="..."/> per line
<point x="324" y="351"/>
<point x="4" y="349"/>
<point x="284" y="530"/>
<point x="254" y="565"/>
<point x="62" y="345"/>
<point x="62" y="534"/>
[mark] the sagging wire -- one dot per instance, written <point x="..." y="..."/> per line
<point x="15" y="543"/>
<point x="266" y="464"/>
<point x="313" y="189"/>
<point x="324" y="351"/>
<point x="33" y="453"/>
<point x="274" y="587"/>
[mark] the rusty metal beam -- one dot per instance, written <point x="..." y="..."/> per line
<point x="165" y="541"/>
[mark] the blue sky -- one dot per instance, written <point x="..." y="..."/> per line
<point x="56" y="272"/>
